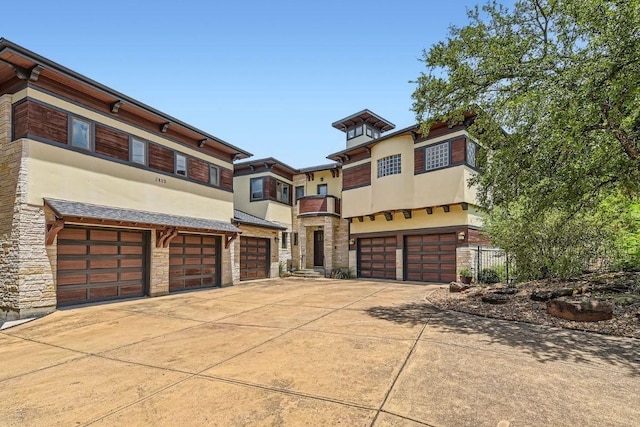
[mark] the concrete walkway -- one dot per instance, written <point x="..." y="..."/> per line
<point x="315" y="352"/>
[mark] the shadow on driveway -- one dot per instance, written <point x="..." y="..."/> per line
<point x="544" y="344"/>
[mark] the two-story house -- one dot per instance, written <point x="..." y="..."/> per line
<point x="101" y="196"/>
<point x="412" y="214"/>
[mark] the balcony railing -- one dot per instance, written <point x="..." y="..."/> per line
<point x="318" y="205"/>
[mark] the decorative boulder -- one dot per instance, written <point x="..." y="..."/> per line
<point x="458" y="287"/>
<point x="495" y="299"/>
<point x="541" y="295"/>
<point x="475" y="293"/>
<point x="580" y="311"/>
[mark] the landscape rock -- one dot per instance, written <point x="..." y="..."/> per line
<point x="580" y="311"/>
<point x="541" y="295"/>
<point x="495" y="299"/>
<point x="475" y="293"/>
<point x="458" y="287"/>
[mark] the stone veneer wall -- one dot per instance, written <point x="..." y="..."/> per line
<point x="26" y="277"/>
<point x="159" y="276"/>
<point x="228" y="257"/>
<point x="336" y="241"/>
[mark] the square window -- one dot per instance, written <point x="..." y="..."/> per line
<point x="257" y="189"/>
<point x="376" y="134"/>
<point x="322" y="189"/>
<point x="437" y="156"/>
<point x="80" y="133"/>
<point x="391" y="165"/>
<point x="138" y="152"/>
<point x="359" y="131"/>
<point x="214" y="175"/>
<point x="351" y="133"/>
<point x="369" y="131"/>
<point x="181" y="165"/>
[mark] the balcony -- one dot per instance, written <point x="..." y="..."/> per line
<point x="318" y="206"/>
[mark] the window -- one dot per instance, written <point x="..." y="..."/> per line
<point x="80" y="133"/>
<point x="322" y="189"/>
<point x="354" y="132"/>
<point x="376" y="134"/>
<point x="471" y="154"/>
<point x="257" y="189"/>
<point x="391" y="165"/>
<point x="295" y="239"/>
<point x="181" y="165"/>
<point x="369" y="131"/>
<point x="284" y="239"/>
<point x="282" y="192"/>
<point x="299" y="192"/>
<point x="214" y="175"/>
<point x="138" y="152"/>
<point x="436" y="156"/>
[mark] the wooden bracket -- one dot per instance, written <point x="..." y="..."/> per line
<point x="446" y="208"/>
<point x="53" y="228"/>
<point x="406" y="213"/>
<point x="310" y="176"/>
<point x="388" y="216"/>
<point x="165" y="237"/>
<point x="372" y="217"/>
<point x="429" y="211"/>
<point x="465" y="206"/>
<point x="228" y="238"/>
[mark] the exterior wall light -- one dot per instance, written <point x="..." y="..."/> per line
<point x="461" y="235"/>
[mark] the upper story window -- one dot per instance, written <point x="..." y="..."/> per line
<point x="471" y="153"/>
<point x="322" y="189"/>
<point x="80" y="133"/>
<point x="299" y="192"/>
<point x="354" y="132"/>
<point x="282" y="192"/>
<point x="257" y="189"/>
<point x="436" y="156"/>
<point x="181" y="165"/>
<point x="138" y="152"/>
<point x="214" y="175"/>
<point x="391" y="165"/>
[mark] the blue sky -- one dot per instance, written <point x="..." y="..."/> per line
<point x="267" y="76"/>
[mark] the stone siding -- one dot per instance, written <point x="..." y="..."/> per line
<point x="26" y="275"/>
<point x="159" y="275"/>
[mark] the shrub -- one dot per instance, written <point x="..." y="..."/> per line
<point x="344" y="273"/>
<point x="465" y="272"/>
<point x="489" y="276"/>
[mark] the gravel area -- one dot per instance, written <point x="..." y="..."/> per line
<point x="620" y="289"/>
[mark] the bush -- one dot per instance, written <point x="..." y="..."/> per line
<point x="489" y="276"/>
<point x="344" y="273"/>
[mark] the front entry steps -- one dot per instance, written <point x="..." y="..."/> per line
<point x="308" y="273"/>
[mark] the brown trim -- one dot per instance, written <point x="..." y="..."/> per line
<point x="358" y="176"/>
<point x="134" y="225"/>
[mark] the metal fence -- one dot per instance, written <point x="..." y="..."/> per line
<point x="492" y="264"/>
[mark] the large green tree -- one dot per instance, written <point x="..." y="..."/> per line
<point x="556" y="84"/>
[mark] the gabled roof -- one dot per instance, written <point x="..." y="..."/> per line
<point x="364" y="116"/>
<point x="248" y="219"/>
<point x="16" y="60"/>
<point x="67" y="209"/>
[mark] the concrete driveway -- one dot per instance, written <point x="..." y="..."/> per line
<point x="314" y="352"/>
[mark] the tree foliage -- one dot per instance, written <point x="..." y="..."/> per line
<point x="557" y="87"/>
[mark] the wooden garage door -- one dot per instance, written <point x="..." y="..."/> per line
<point x="100" y="264"/>
<point x="377" y="257"/>
<point x="194" y="262"/>
<point x="430" y="257"/>
<point x="254" y="258"/>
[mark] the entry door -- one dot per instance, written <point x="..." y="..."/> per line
<point x="318" y="248"/>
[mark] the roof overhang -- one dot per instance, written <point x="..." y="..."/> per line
<point x="364" y="116"/>
<point x="17" y="62"/>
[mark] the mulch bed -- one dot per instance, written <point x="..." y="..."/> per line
<point x="622" y="289"/>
